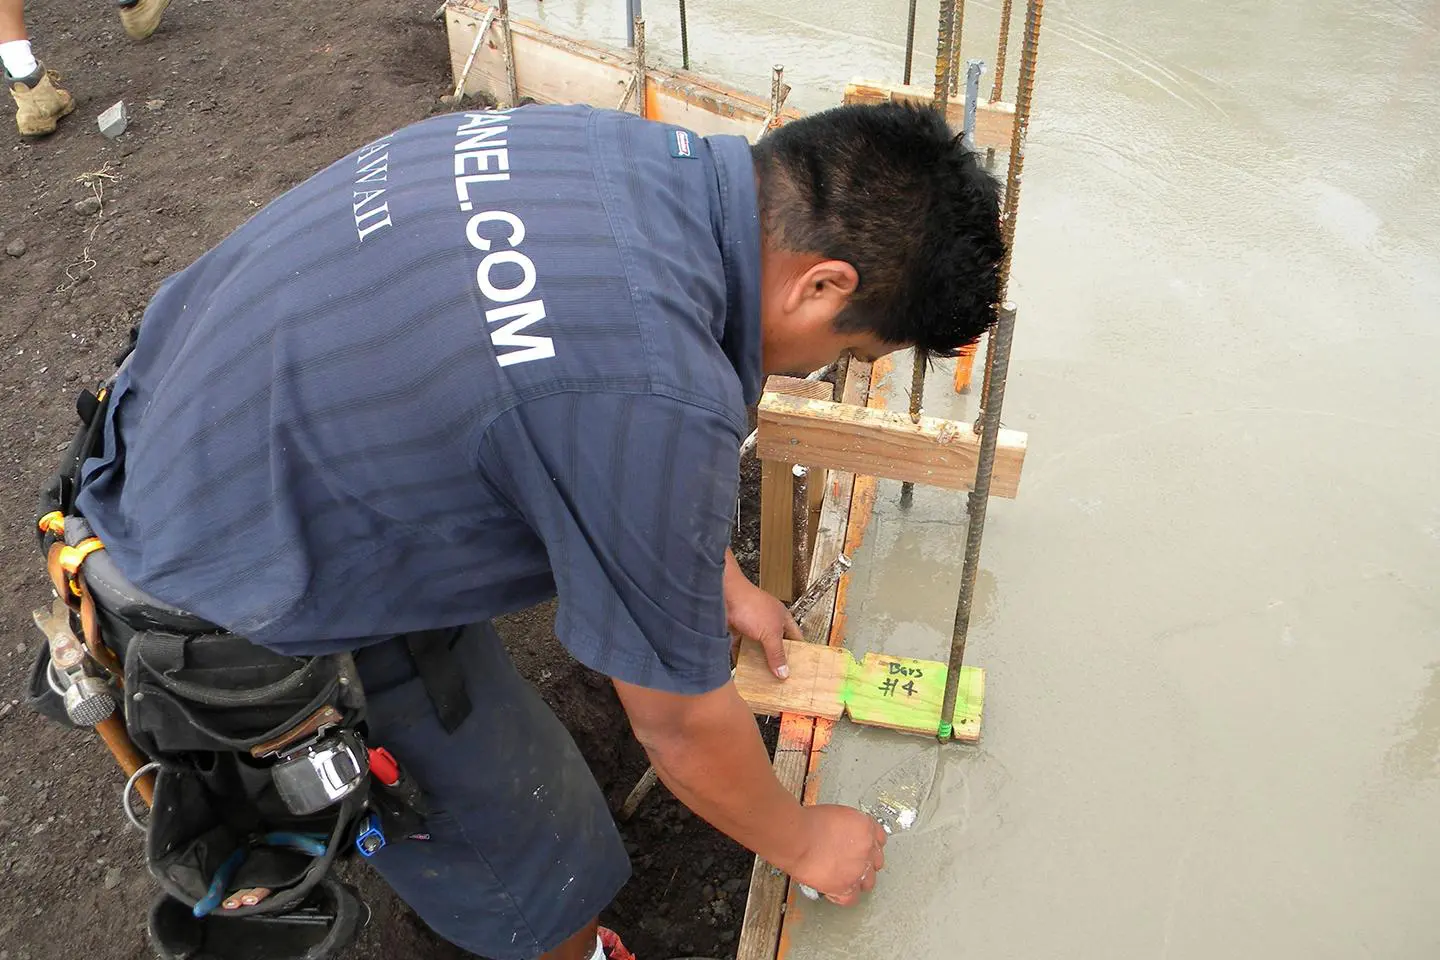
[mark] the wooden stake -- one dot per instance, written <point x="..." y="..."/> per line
<point x="777" y="502"/>
<point x="474" y="49"/>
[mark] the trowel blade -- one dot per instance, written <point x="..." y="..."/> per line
<point x="898" y="797"/>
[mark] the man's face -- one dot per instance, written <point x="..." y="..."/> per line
<point x="802" y="296"/>
<point x="815" y="350"/>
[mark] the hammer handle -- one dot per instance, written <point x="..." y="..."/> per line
<point x="130" y="759"/>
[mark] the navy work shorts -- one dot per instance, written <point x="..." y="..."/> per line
<point x="523" y="851"/>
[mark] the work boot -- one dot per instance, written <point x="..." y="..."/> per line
<point x="39" y="104"/>
<point x="142" y="17"/>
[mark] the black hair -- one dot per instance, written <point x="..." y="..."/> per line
<point x="890" y="190"/>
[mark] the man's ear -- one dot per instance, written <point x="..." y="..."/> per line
<point x="824" y="289"/>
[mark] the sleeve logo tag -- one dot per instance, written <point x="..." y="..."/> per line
<point x="680" y="145"/>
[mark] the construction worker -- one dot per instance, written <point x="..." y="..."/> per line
<point x="39" y="103"/>
<point x="496" y="356"/>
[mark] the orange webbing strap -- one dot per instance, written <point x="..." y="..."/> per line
<point x="90" y="626"/>
<point x="58" y="578"/>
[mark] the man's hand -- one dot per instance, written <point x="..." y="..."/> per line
<point x="755" y="614"/>
<point x="707" y="750"/>
<point x="843" y="852"/>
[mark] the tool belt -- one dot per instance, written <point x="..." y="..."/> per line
<point x="254" y="763"/>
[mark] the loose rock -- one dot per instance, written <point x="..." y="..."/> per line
<point x="86" y="207"/>
<point x="153" y="256"/>
<point x="113" y="876"/>
<point x="16" y="247"/>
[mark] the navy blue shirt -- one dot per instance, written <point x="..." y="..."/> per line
<point x="486" y="359"/>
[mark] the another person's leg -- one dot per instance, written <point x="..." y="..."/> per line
<point x="141" y="17"/>
<point x="39" y="104"/>
<point x="523" y="853"/>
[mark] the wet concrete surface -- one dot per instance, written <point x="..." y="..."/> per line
<point x="1211" y="621"/>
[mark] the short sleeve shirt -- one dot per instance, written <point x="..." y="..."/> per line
<point x="483" y="360"/>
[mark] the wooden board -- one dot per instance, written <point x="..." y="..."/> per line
<point x="936" y="452"/>
<point x="777" y="533"/>
<point x="777" y="502"/>
<point x="760" y="930"/>
<point x="994" y="121"/>
<point x="795" y="752"/>
<point x="882" y="690"/>
<point x="553" y="68"/>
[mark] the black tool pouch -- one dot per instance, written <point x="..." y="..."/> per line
<point x="209" y="708"/>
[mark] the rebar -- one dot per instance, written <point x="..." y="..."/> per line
<point x="779" y="90"/>
<point x="685" y="37"/>
<point x="957" y="30"/>
<point x="1000" y="340"/>
<point x="508" y="54"/>
<point x="997" y="91"/>
<point x="910" y="40"/>
<point x="639" y="62"/>
<point x="1024" y="96"/>
<point x="944" y="56"/>
<point x="800" y="529"/>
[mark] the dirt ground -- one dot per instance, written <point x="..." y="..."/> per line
<point x="229" y="105"/>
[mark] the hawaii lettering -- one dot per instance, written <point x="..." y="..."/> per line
<point x="372" y="166"/>
<point x="505" y="276"/>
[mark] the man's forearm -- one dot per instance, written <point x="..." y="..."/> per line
<point x="715" y="763"/>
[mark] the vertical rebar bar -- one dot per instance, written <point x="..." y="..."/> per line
<point x="997" y="91"/>
<point x="685" y="37"/>
<point x="944" y="49"/>
<point x="779" y="90"/>
<point x="508" y="54"/>
<point x="640" y="76"/>
<point x="942" y="55"/>
<point x="800" y="526"/>
<point x="910" y="40"/>
<point x="1024" y="97"/>
<point x="1000" y="340"/>
<point x="956" y="31"/>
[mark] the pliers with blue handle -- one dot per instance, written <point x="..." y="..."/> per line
<point x="312" y="843"/>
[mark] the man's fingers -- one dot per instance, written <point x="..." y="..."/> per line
<point x="879" y="856"/>
<point x="867" y="881"/>
<point x="775" y="656"/>
<point x="792" y="629"/>
<point x="848" y="899"/>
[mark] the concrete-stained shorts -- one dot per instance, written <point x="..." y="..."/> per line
<point x="523" y="851"/>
